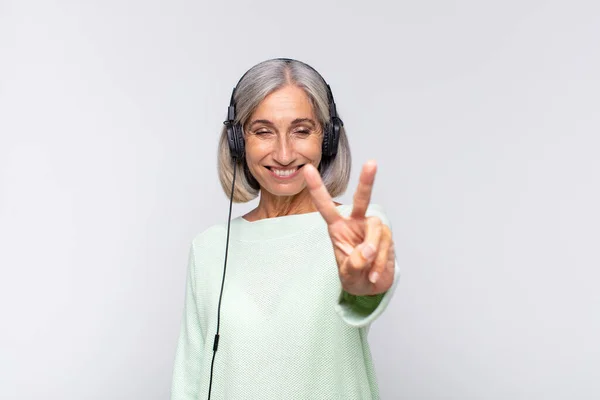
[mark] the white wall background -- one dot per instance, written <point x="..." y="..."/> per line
<point x="485" y="120"/>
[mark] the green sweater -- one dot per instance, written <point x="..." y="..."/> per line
<point x="287" y="330"/>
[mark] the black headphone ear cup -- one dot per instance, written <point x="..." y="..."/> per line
<point x="230" y="139"/>
<point x="326" y="137"/>
<point x="331" y="135"/>
<point x="336" y="127"/>
<point x="235" y="139"/>
<point x="239" y="135"/>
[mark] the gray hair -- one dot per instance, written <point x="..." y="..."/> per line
<point x="260" y="81"/>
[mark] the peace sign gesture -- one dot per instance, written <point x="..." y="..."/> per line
<point x="362" y="245"/>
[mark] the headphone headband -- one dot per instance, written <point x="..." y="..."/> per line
<point x="330" y="99"/>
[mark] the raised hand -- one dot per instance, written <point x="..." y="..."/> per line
<point x="363" y="245"/>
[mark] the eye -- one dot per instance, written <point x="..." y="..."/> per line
<point x="262" y="132"/>
<point x="302" y="131"/>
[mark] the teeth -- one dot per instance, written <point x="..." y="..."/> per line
<point x="284" y="172"/>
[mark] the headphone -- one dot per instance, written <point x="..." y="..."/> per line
<point x="331" y="131"/>
<point x="235" y="138"/>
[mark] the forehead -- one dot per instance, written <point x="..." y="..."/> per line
<point x="287" y="102"/>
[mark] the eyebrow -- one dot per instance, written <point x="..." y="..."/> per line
<point x="294" y="122"/>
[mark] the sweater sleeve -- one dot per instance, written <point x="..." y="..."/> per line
<point x="361" y="311"/>
<point x="190" y="345"/>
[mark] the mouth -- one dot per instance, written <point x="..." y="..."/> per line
<point x="285" y="173"/>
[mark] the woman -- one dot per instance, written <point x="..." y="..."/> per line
<point x="305" y="276"/>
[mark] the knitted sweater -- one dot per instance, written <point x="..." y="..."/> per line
<point x="287" y="329"/>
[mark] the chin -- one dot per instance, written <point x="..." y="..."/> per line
<point x="283" y="190"/>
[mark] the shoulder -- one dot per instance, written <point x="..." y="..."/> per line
<point x="377" y="210"/>
<point x="206" y="248"/>
<point x="374" y="210"/>
<point x="210" y="236"/>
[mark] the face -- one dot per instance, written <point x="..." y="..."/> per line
<point x="281" y="136"/>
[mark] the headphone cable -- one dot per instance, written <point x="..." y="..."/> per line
<point x="216" y="342"/>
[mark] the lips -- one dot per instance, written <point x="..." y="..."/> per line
<point x="285" y="173"/>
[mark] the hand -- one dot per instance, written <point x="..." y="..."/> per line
<point x="363" y="246"/>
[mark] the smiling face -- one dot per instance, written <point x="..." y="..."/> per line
<point x="281" y="136"/>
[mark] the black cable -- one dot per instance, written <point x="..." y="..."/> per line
<point x="216" y="342"/>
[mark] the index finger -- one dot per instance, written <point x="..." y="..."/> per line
<point x="362" y="196"/>
<point x="320" y="195"/>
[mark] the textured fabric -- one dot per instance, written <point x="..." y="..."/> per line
<point x="287" y="329"/>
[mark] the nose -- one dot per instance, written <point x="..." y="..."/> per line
<point x="284" y="151"/>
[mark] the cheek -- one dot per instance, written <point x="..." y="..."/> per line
<point x="256" y="149"/>
<point x="310" y="148"/>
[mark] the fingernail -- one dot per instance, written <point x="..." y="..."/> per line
<point x="368" y="251"/>
<point x="373" y="276"/>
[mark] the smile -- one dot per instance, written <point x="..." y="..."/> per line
<point x="286" y="173"/>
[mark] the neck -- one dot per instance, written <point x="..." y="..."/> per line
<point x="270" y="206"/>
